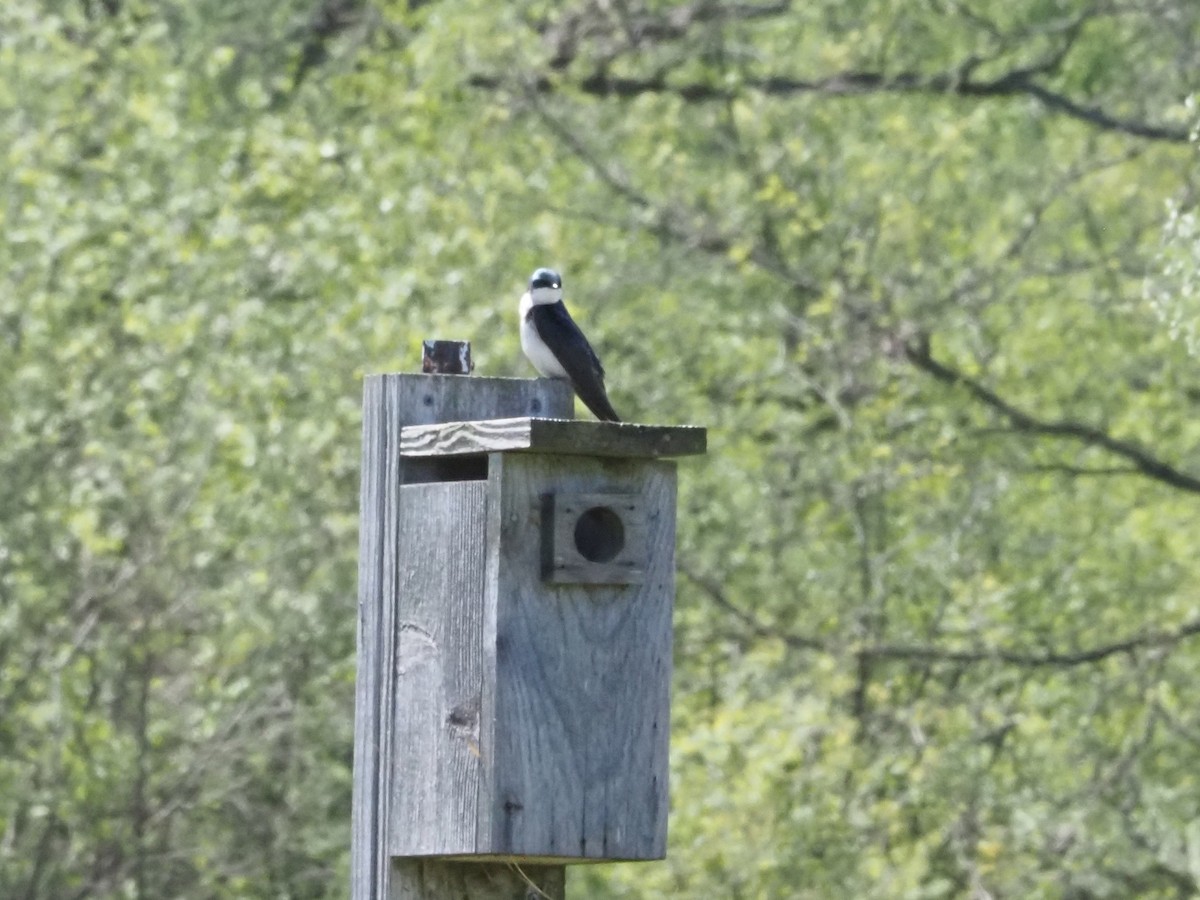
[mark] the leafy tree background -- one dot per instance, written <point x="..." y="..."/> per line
<point x="924" y="269"/>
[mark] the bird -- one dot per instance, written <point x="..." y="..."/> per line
<point x="557" y="348"/>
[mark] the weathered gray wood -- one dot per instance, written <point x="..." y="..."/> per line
<point x="429" y="399"/>
<point x="364" y="813"/>
<point x="546" y="435"/>
<point x="371" y="713"/>
<point x="389" y="403"/>
<point x="580" y="698"/>
<point x="531" y="718"/>
<point x="437" y="757"/>
<point x="432" y="879"/>
<point x="564" y="561"/>
<point x="539" y="730"/>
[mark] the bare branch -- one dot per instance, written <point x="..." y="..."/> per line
<point x="1082" y="471"/>
<point x="716" y="592"/>
<point x="669" y="220"/>
<point x="933" y="653"/>
<point x="612" y="30"/>
<point x="1050" y="659"/>
<point x="592" y="25"/>
<point x="917" y="352"/>
<point x="1098" y="117"/>
<point x="329" y="19"/>
<point x="956" y="82"/>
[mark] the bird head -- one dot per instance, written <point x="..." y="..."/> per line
<point x="545" y="286"/>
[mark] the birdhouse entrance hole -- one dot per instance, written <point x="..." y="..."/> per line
<point x="593" y="538"/>
<point x="599" y="534"/>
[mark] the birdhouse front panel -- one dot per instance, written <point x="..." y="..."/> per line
<point x="580" y="588"/>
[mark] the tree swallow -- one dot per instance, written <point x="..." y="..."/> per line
<point x="556" y="346"/>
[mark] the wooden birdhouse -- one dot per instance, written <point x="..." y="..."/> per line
<point x="517" y="590"/>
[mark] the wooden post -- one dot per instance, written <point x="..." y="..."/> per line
<point x="516" y="580"/>
<point x="389" y="403"/>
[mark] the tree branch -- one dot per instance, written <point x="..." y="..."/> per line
<point x="1017" y="83"/>
<point x="667" y="220"/>
<point x="328" y="20"/>
<point x="638" y="28"/>
<point x="932" y="653"/>
<point x="1144" y="641"/>
<point x="611" y="31"/>
<point x="917" y="352"/>
<point x="1102" y="120"/>
<point x="1081" y="471"/>
<point x="716" y="592"/>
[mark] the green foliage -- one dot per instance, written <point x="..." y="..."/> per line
<point x="1173" y="283"/>
<point x="937" y="619"/>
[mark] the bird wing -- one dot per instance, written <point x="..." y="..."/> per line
<point x="559" y="332"/>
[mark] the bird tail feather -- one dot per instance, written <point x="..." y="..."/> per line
<point x="597" y="401"/>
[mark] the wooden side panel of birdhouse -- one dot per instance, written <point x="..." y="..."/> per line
<point x="576" y="720"/>
<point x="438" y="773"/>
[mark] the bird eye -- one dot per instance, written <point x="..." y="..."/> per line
<point x="543" y="278"/>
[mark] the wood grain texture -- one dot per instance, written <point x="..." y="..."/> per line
<point x="581" y="694"/>
<point x="432" y="879"/>
<point x="371" y="713"/>
<point x="389" y="403"/>
<point x="559" y="436"/>
<point x="437" y="762"/>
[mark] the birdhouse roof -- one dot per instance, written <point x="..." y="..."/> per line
<point x="557" y="436"/>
